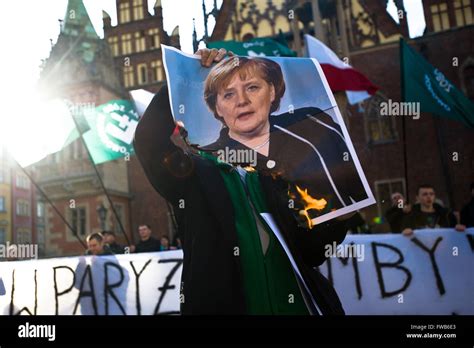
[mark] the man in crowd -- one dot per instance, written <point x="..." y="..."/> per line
<point x="109" y="239"/>
<point x="467" y="212"/>
<point x="399" y="210"/>
<point x="96" y="245"/>
<point x="147" y="243"/>
<point x="428" y="214"/>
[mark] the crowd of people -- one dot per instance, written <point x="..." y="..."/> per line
<point x="105" y="243"/>
<point x="427" y="212"/>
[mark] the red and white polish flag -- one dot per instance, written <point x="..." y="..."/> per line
<point x="340" y="76"/>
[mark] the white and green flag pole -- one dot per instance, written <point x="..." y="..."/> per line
<point x="107" y="134"/>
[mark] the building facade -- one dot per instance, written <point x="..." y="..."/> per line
<point x="6" y="225"/>
<point x="18" y="223"/>
<point x="136" y="41"/>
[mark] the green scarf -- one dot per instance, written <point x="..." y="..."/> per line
<point x="269" y="281"/>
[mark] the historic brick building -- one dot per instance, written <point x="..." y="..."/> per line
<point x="135" y="43"/>
<point x="19" y="208"/>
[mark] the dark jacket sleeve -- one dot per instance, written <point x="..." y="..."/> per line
<point x="310" y="244"/>
<point x="165" y="164"/>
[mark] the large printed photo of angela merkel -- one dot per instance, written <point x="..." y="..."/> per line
<point x="276" y="115"/>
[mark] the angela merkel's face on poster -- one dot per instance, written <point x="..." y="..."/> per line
<point x="244" y="104"/>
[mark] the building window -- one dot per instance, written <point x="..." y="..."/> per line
<point x="379" y="129"/>
<point x="40" y="209"/>
<point x="384" y="190"/>
<point x="3" y="235"/>
<point x="128" y="76"/>
<point x="137" y="9"/>
<point x="140" y="41"/>
<point x="2" y="175"/>
<point x="22" y="181"/>
<point x="127" y="44"/>
<point x="3" y="207"/>
<point x="157" y="72"/>
<point x="114" y="45"/>
<point x="463" y="12"/>
<point x="22" y="208"/>
<point x="124" y="9"/>
<point x="23" y="236"/>
<point x="155" y="37"/>
<point x="440" y="16"/>
<point x="142" y="74"/>
<point x="79" y="220"/>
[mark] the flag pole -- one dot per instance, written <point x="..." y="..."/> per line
<point x="73" y="230"/>
<point x="122" y="229"/>
<point x="404" y="131"/>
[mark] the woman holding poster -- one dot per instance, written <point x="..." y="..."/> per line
<point x="244" y="252"/>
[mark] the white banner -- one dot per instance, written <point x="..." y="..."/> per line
<point x="429" y="273"/>
<point x="131" y="284"/>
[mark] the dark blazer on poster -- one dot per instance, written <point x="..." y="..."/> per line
<point x="307" y="149"/>
<point x="211" y="275"/>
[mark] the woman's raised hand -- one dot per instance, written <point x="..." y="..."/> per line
<point x="209" y="56"/>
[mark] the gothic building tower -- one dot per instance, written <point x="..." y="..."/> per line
<point x="135" y="43"/>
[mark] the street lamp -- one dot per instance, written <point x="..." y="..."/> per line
<point x="102" y="212"/>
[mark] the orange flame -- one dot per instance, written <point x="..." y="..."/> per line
<point x="310" y="203"/>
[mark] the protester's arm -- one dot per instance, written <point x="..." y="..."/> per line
<point x="455" y="221"/>
<point x="162" y="161"/>
<point x="314" y="244"/>
<point x="311" y="244"/>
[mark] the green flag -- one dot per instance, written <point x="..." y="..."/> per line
<point x="255" y="47"/>
<point x="427" y="85"/>
<point x="112" y="126"/>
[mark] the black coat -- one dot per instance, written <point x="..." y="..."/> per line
<point x="211" y="277"/>
<point x="467" y="214"/>
<point x="416" y="219"/>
